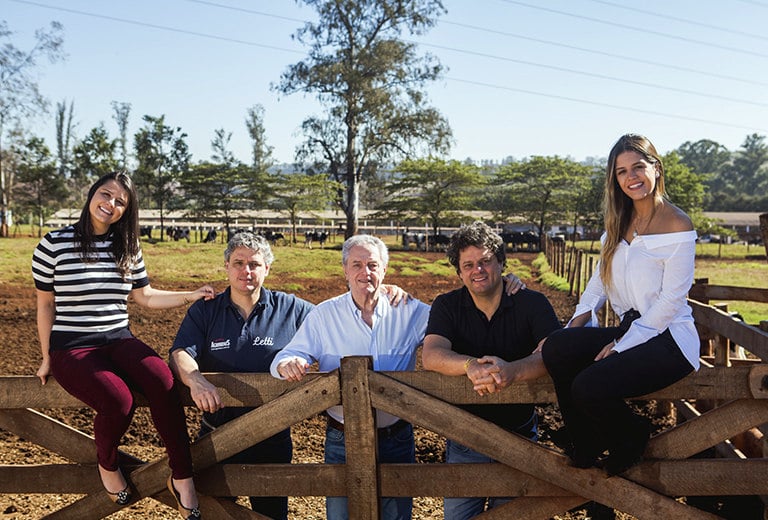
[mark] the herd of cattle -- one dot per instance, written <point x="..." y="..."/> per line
<point x="177" y="233"/>
<point x="514" y="241"/>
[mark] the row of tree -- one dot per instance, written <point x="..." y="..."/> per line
<point x="362" y="150"/>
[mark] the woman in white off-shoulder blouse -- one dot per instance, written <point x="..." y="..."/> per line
<point x="645" y="271"/>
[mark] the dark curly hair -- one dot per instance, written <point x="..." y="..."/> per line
<point x="477" y="234"/>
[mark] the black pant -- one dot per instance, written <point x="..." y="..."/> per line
<point x="591" y="394"/>
<point x="274" y="450"/>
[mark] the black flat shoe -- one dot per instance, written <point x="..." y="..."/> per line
<point x="186" y="513"/>
<point x="122" y="497"/>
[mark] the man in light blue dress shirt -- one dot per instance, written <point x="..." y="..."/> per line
<point x="360" y="322"/>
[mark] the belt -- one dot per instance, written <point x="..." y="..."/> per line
<point x="385" y="432"/>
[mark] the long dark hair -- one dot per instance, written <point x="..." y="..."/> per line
<point x="617" y="206"/>
<point x="125" y="232"/>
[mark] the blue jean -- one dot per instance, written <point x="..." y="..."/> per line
<point x="398" y="447"/>
<point x="274" y="450"/>
<point x="461" y="508"/>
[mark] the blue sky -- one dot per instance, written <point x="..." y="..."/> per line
<point x="528" y="77"/>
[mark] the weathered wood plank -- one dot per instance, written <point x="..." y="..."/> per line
<point x="702" y="292"/>
<point x="231" y="438"/>
<point x="704" y="477"/>
<point x="360" y="437"/>
<point x="529" y="508"/>
<point x="257" y="389"/>
<point x="707" y="430"/>
<point x="56" y="436"/>
<point x="485" y="437"/>
<point x="751" y="338"/>
<point x="701" y="477"/>
<point x="708" y="383"/>
<point x="49" y="433"/>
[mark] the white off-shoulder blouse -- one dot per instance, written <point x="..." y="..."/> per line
<point x="651" y="275"/>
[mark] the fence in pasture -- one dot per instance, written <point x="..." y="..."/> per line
<point x="723" y="407"/>
<point x="540" y="477"/>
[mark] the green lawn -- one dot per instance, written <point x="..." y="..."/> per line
<point x="175" y="262"/>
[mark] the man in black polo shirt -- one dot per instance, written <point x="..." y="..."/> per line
<point x="240" y="330"/>
<point x="475" y="331"/>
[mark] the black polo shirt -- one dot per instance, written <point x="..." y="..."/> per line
<point x="513" y="332"/>
<point x="215" y="334"/>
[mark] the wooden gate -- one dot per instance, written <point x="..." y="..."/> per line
<point x="541" y="477"/>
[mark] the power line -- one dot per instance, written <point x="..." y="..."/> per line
<point x="754" y="2"/>
<point x="489" y="85"/>
<point x="634" y="59"/>
<point x="607" y="105"/>
<point x="159" y="27"/>
<point x="596" y="75"/>
<point x="681" y="20"/>
<point x="552" y="67"/>
<point x="645" y="30"/>
<point x="249" y="11"/>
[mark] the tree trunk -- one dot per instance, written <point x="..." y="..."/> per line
<point x="764" y="231"/>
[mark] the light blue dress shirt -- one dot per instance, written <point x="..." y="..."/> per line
<point x="335" y="329"/>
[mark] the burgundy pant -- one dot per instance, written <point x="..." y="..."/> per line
<point x="102" y="377"/>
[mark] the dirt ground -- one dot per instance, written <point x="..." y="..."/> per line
<point x="18" y="330"/>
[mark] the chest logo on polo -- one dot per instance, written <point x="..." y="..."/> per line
<point x="267" y="341"/>
<point x="219" y="344"/>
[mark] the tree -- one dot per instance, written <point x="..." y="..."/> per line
<point x="431" y="190"/>
<point x="294" y="193"/>
<point x="64" y="137"/>
<point x="19" y="94"/>
<point x="220" y="144"/>
<point x="40" y="189"/>
<point x="370" y="84"/>
<point x="120" y="113"/>
<point x="163" y="156"/>
<point x="750" y="165"/>
<point x="685" y="187"/>
<point x="216" y="189"/>
<point x="543" y="190"/>
<point x="92" y="157"/>
<point x="261" y="152"/>
<point x="224" y="186"/>
<point x="705" y="157"/>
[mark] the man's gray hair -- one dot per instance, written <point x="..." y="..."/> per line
<point x="364" y="241"/>
<point x="251" y="241"/>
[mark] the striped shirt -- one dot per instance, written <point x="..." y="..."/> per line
<point x="91" y="298"/>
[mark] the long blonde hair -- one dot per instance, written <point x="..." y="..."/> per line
<point x="617" y="206"/>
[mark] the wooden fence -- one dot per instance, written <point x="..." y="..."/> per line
<point x="734" y="394"/>
<point x="541" y="477"/>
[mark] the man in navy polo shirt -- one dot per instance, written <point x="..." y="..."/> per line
<point x="476" y="331"/>
<point x="240" y="330"/>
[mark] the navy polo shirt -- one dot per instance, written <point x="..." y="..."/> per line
<point x="513" y="332"/>
<point x="215" y="334"/>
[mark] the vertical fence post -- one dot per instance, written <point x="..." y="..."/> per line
<point x="360" y="437"/>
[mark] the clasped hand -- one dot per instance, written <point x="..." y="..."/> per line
<point x="490" y="374"/>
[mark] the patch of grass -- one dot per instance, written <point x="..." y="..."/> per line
<point x="439" y="269"/>
<point x="403" y="257"/>
<point x="292" y="288"/>
<point x="547" y="277"/>
<point x="739" y="274"/>
<point x="409" y="271"/>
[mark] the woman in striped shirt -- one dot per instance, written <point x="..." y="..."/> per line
<point x="84" y="274"/>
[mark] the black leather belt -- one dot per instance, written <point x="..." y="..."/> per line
<point x="387" y="431"/>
